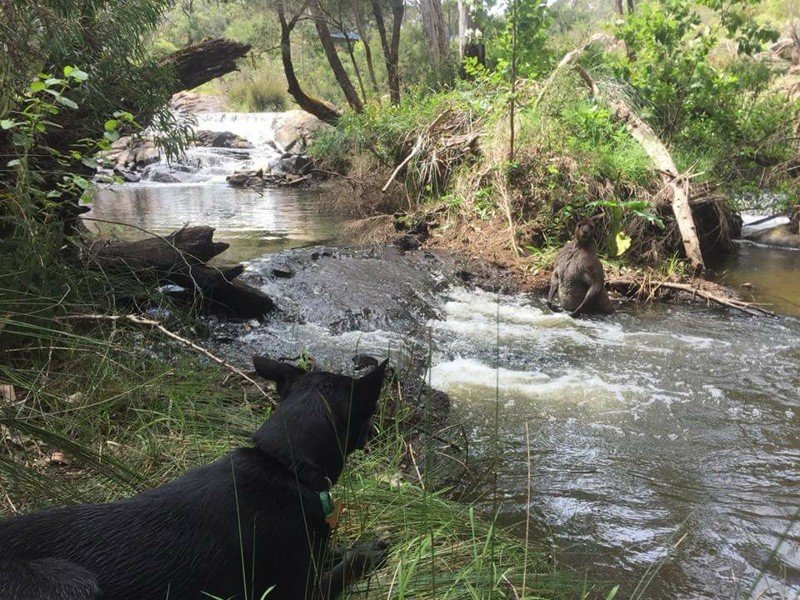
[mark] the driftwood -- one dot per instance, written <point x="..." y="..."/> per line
<point x="657" y="152"/>
<point x="200" y="63"/>
<point x="634" y="287"/>
<point x="180" y="258"/>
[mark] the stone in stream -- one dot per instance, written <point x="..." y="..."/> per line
<point x="295" y="130"/>
<point x="347" y="290"/>
<point x="220" y="139"/>
<point x="783" y="236"/>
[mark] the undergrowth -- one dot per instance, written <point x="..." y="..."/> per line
<point x="103" y="411"/>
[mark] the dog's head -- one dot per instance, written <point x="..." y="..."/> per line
<point x="322" y="417"/>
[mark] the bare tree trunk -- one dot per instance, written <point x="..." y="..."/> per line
<point x="435" y="31"/>
<point x="464" y="23"/>
<point x="362" y="32"/>
<point x="391" y="46"/>
<point x="342" y="78"/>
<point x="319" y="108"/>
<point x="630" y="7"/>
<point x="355" y="67"/>
<point x="618" y="7"/>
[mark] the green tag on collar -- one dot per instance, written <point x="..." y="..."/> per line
<point x="326" y="500"/>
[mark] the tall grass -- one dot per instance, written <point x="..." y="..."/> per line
<point x="124" y="411"/>
<point x="259" y="90"/>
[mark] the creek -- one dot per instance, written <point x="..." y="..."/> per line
<point x="664" y="441"/>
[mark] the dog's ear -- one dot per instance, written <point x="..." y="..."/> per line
<point x="283" y="374"/>
<point x="368" y="388"/>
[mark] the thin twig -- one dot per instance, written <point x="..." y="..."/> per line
<point x="136" y="320"/>
<point x="416" y="468"/>
<point x="414" y="151"/>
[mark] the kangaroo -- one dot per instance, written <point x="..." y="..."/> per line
<point x="578" y="275"/>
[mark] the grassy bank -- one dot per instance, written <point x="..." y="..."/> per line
<point x="573" y="156"/>
<point x="100" y="412"/>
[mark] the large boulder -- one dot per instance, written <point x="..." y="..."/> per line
<point x="131" y="152"/>
<point x="295" y="130"/>
<point x="220" y="139"/>
<point x="188" y="103"/>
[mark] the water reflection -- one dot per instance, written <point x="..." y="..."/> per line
<point x="254" y="223"/>
<point x="773" y="275"/>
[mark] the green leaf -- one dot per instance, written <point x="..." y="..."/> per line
<point x="623" y="243"/>
<point x="89" y="162"/>
<point x="67" y="102"/>
<point x="68" y="70"/>
<point x="613" y="593"/>
<point x="13" y="163"/>
<point x="54" y="194"/>
<point x="111" y="125"/>
<point x="80" y="182"/>
<point x="111" y="136"/>
<point x="8" y="124"/>
<point x="53" y="81"/>
<point x="36" y="87"/>
<point x="79" y="75"/>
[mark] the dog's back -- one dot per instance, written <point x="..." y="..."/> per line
<point x="177" y="541"/>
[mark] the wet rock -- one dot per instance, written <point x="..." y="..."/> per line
<point x="163" y="177"/>
<point x="465" y="275"/>
<point x="297" y="164"/>
<point x="295" y="130"/>
<point x="408" y="242"/>
<point x="349" y="290"/>
<point x="130" y="153"/>
<point x="780" y="235"/>
<point x="282" y="273"/>
<point x="259" y="179"/>
<point x="128" y="176"/>
<point x="241" y="179"/>
<point x="221" y="139"/>
<point x="186" y="102"/>
<point x="147" y="153"/>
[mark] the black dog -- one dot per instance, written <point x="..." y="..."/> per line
<point x="250" y="525"/>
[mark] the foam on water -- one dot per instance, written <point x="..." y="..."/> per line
<point x="644" y="426"/>
<point x="471" y="380"/>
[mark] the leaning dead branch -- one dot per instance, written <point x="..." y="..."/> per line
<point x="152" y="324"/>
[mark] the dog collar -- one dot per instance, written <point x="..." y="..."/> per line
<point x="332" y="509"/>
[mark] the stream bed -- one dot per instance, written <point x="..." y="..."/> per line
<point x="664" y="440"/>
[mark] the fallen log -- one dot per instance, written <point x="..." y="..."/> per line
<point x="650" y="288"/>
<point x="180" y="259"/>
<point x="200" y="63"/>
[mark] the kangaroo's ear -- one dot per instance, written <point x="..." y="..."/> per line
<point x="283" y="374"/>
<point x="368" y="388"/>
